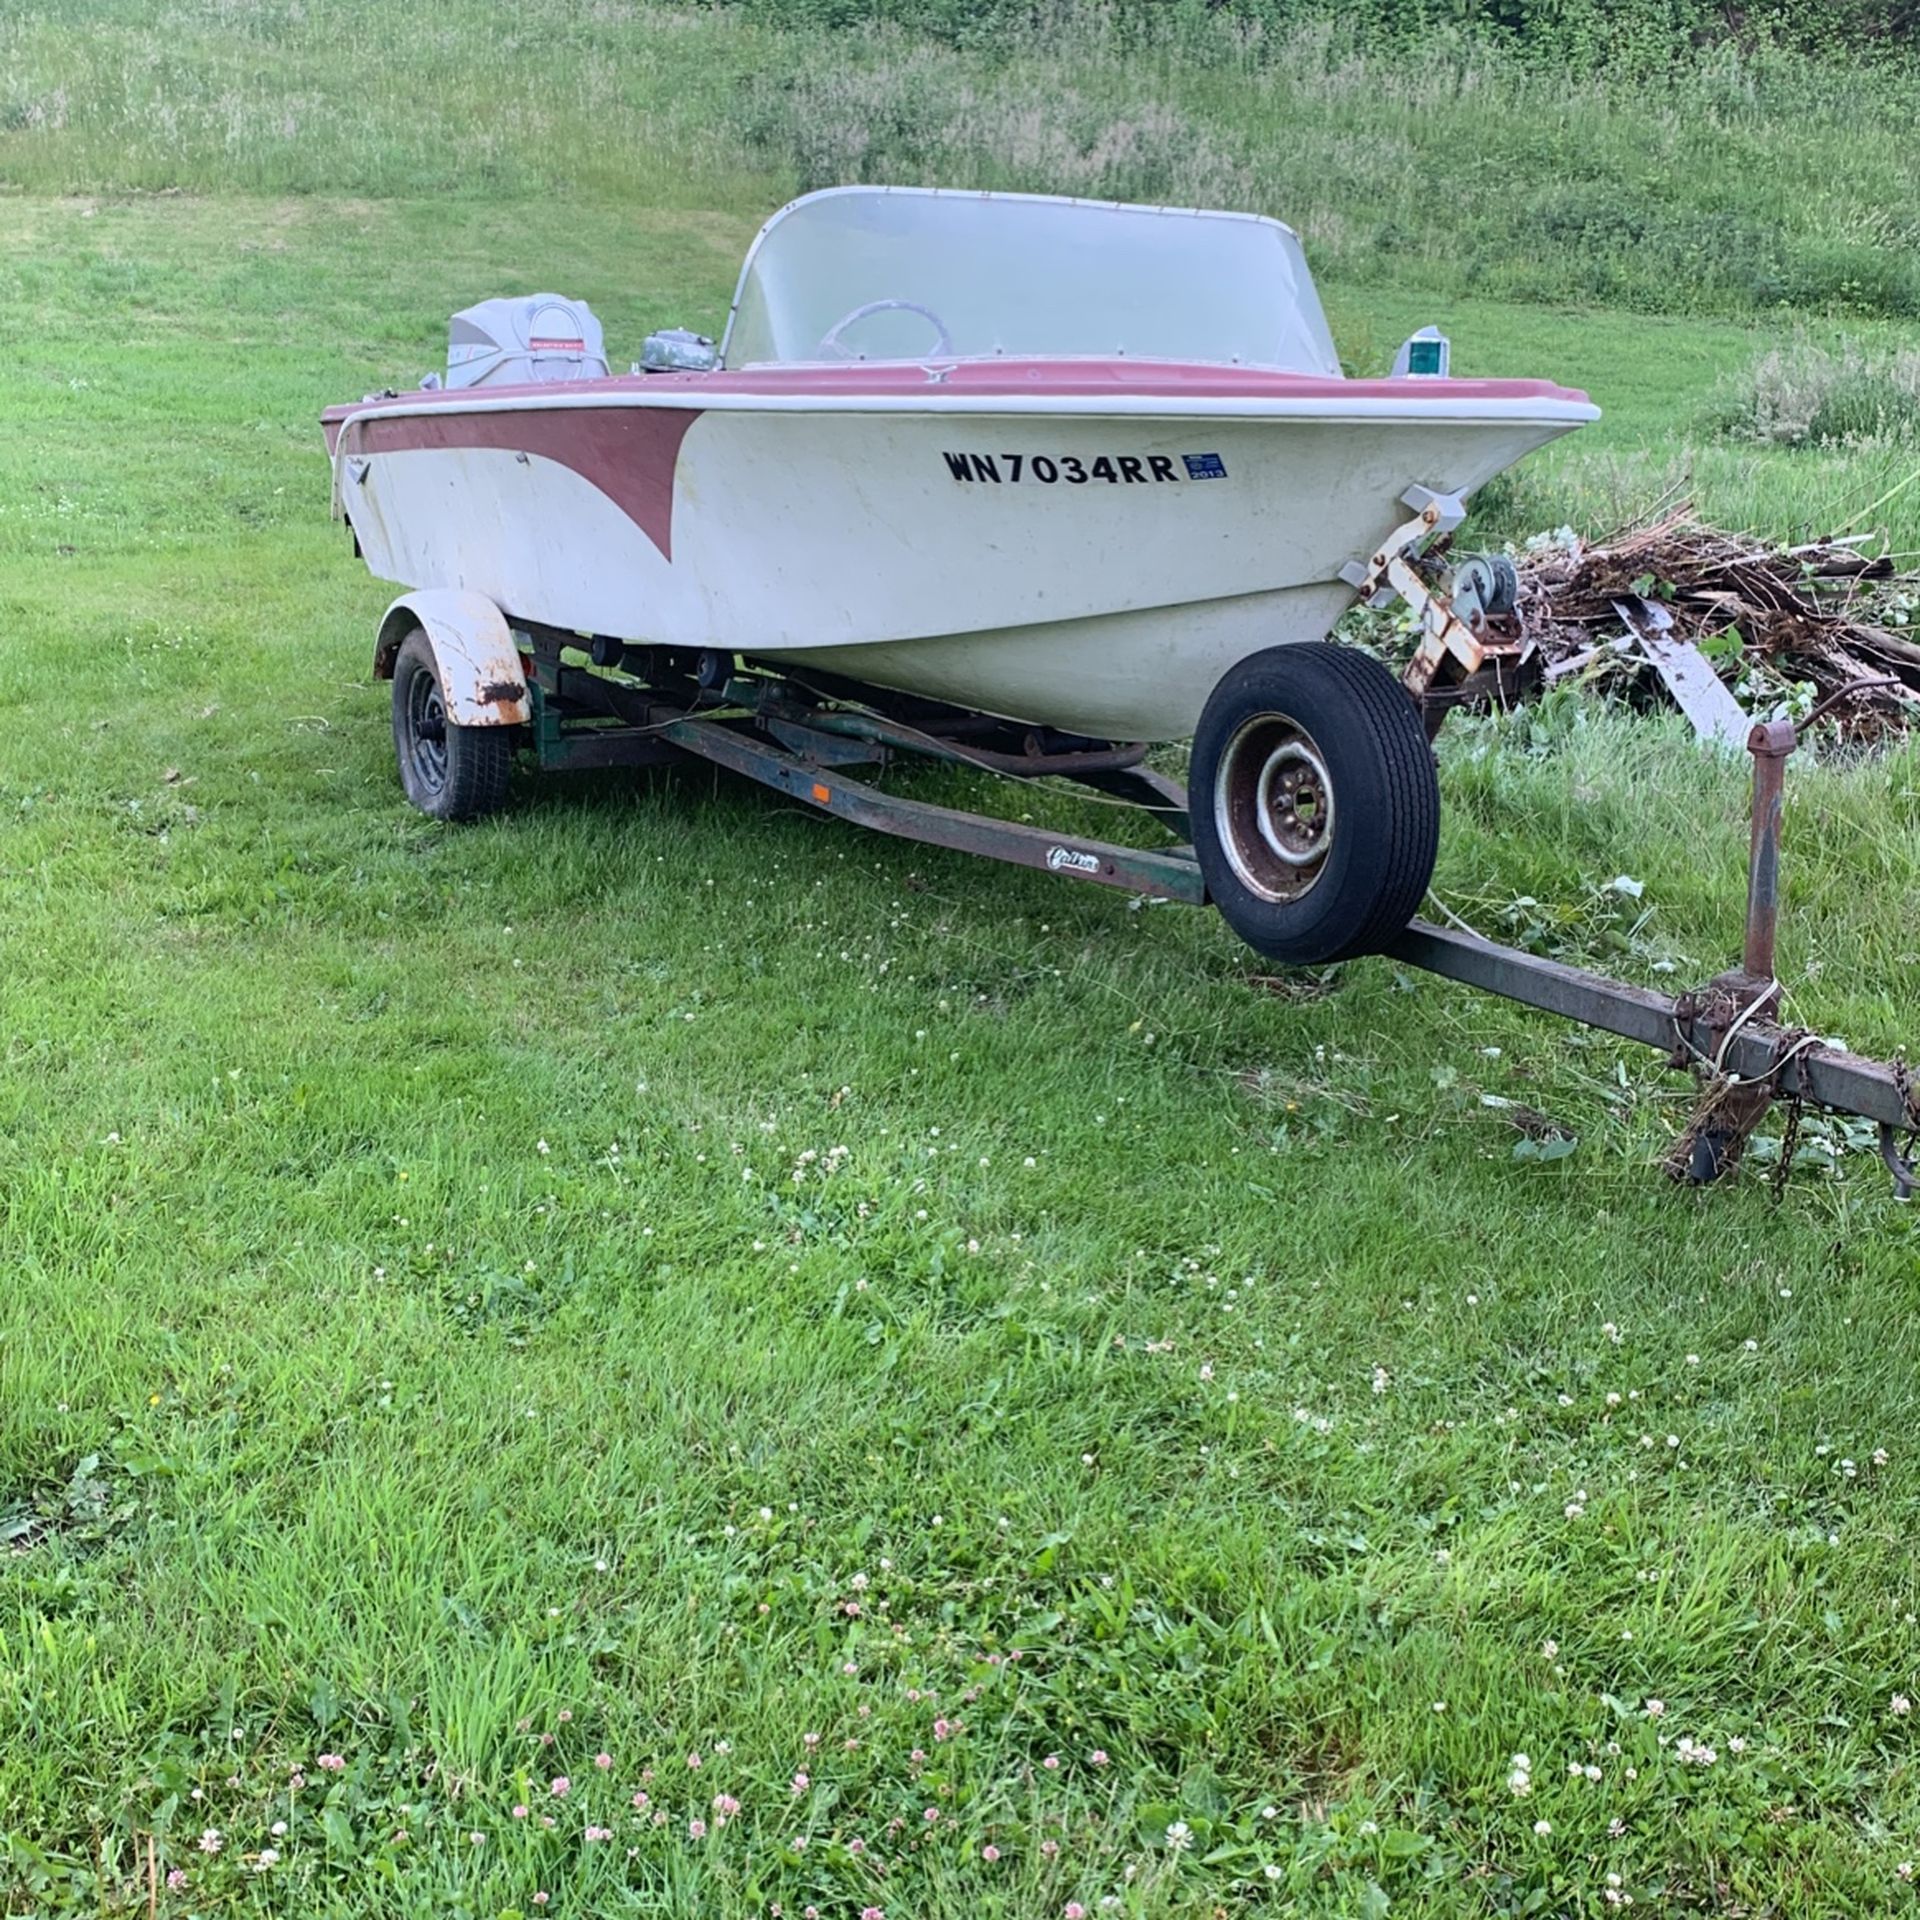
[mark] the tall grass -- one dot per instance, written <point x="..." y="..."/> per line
<point x="1732" y="185"/>
<point x="1808" y="393"/>
<point x="1721" y="182"/>
<point x="1629" y="34"/>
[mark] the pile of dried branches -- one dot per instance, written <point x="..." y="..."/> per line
<point x="1773" y="621"/>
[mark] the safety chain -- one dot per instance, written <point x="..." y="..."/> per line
<point x="1789" y="1044"/>
<point x="1789" y="1144"/>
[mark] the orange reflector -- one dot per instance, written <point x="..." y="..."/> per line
<point x="821" y="794"/>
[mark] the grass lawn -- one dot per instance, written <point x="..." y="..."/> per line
<point x="657" y="1355"/>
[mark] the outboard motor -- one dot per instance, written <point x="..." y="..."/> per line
<point x="515" y="342"/>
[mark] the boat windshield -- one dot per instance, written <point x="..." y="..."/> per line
<point x="906" y="273"/>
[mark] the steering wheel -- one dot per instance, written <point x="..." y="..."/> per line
<point x="830" y="346"/>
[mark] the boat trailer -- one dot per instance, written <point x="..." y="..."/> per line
<point x="465" y="673"/>
<point x="798" y="735"/>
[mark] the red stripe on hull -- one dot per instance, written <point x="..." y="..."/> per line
<point x="629" y="453"/>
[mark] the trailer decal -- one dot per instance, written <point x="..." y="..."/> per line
<point x="1072" y="860"/>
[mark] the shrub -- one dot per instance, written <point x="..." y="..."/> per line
<point x="1809" y="394"/>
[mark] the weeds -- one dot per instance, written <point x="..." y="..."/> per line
<point x="1809" y="393"/>
<point x="1629" y="34"/>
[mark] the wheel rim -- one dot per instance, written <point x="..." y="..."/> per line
<point x="1273" y="807"/>
<point x="426" y="732"/>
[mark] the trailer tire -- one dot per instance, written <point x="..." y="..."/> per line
<point x="1315" y="803"/>
<point x="448" y="771"/>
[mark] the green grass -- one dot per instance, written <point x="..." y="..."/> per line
<point x="470" y="1286"/>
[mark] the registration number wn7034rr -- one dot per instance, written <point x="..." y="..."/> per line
<point x="1067" y="469"/>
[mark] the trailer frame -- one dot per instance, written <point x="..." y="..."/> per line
<point x="798" y="739"/>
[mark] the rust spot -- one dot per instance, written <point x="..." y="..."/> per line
<point x="501" y="693"/>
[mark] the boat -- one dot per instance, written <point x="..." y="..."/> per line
<point x="1053" y="465"/>
<point x="1060" y="461"/>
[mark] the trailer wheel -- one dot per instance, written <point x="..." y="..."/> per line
<point x="448" y="771"/>
<point x="1315" y="805"/>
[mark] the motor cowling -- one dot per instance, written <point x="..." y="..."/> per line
<point x="519" y="342"/>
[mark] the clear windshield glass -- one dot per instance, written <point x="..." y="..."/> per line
<point x="878" y="273"/>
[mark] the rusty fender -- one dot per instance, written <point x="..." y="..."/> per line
<point x="481" y="676"/>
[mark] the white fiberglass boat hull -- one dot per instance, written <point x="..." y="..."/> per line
<point x="1082" y="547"/>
